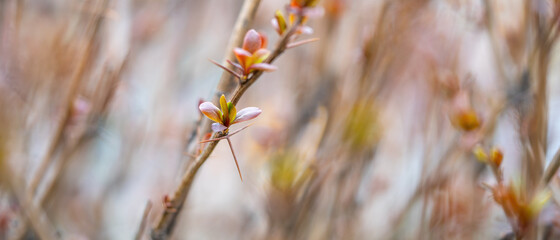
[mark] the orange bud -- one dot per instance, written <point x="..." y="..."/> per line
<point x="466" y="120"/>
<point x="496" y="156"/>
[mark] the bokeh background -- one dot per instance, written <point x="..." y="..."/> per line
<point x="98" y="99"/>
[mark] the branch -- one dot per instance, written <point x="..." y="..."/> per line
<point x="57" y="140"/>
<point x="168" y="219"/>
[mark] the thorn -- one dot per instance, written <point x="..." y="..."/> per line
<point x="225" y="68"/>
<point x="234" y="158"/>
<point x="296" y="44"/>
<point x="224" y="137"/>
<point x="235" y="65"/>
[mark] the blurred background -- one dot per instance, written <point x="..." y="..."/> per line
<point x="363" y="133"/>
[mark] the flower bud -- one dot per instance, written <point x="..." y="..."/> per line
<point x="496" y="156"/>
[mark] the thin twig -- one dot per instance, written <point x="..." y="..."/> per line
<point x="33" y="213"/>
<point x="55" y="143"/>
<point x="302" y="42"/>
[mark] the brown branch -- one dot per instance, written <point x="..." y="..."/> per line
<point x="165" y="226"/>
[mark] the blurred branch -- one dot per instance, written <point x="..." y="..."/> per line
<point x="57" y="140"/>
<point x="490" y="25"/>
<point x="552" y="168"/>
<point x="143" y="221"/>
<point x="101" y="100"/>
<point x="33" y="213"/>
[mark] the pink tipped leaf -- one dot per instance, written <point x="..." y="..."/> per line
<point x="247" y="114"/>
<point x="252" y="41"/>
<point x="211" y="111"/>
<point x="305" y="30"/>
<point x="264" y="67"/>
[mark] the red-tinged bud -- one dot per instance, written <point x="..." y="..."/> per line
<point x="254" y="41"/>
<point x="496" y="156"/>
<point x="253" y="54"/>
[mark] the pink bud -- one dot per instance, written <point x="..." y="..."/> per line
<point x="252" y="41"/>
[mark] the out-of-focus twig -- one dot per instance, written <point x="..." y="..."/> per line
<point x="34" y="215"/>
<point x="143" y="221"/>
<point x="490" y="25"/>
<point x="552" y="168"/>
<point x="103" y="96"/>
<point x="93" y="26"/>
